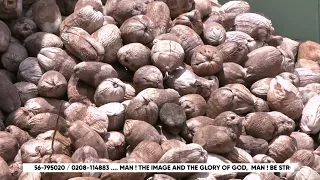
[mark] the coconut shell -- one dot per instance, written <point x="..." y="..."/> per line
<point x="219" y="101"/>
<point x="11" y="10"/>
<point x="78" y="91"/>
<point x="62" y="141"/>
<point x="252" y="145"/>
<point x="10" y="150"/>
<point x="173" y="117"/>
<point x="309" y="50"/>
<point x="167" y="55"/>
<point x="109" y="20"/>
<point x="306" y="171"/>
<point x="20" y="135"/>
<point x="130" y="91"/>
<point x="194" y="105"/>
<point x="46" y="15"/>
<point x="285" y="125"/>
<point x="19" y="117"/>
<point x="46" y="105"/>
<point x="208" y="176"/>
<point x="87" y="18"/>
<point x="5" y="38"/>
<point x="162" y="177"/>
<point x="9" y="95"/>
<point x="109" y="90"/>
<point x="238" y="7"/>
<point x="261" y="87"/>
<point x="30" y="175"/>
<point x="231" y="120"/>
<point x="92" y="116"/>
<point x="148" y="151"/>
<point x="58" y="158"/>
<point x="260" y="125"/>
<point x="307" y="76"/>
<point x="167" y="36"/>
<point x="116" y="145"/>
<point x="82" y="153"/>
<point x="179" y="7"/>
<point x="84" y="178"/>
<point x="79" y="43"/>
<point x="30" y="70"/>
<point x="231" y="73"/>
<point x="161" y="23"/>
<point x="53" y="58"/>
<point x="97" y="4"/>
<point x="261" y="176"/>
<point x="310" y="121"/>
<point x="93" y="73"/>
<point x="306" y="63"/>
<point x="52" y="84"/>
<point x="138" y="29"/>
<point x="123" y="10"/>
<point x="109" y="36"/>
<point x="82" y="135"/>
<point x="204" y="7"/>
<point x="214" y="33"/>
<point x="262" y="158"/>
<point x="116" y="115"/>
<point x="14" y="55"/>
<point x="241" y="37"/>
<point x="16" y="169"/>
<point x="143" y="109"/>
<point x="255" y="25"/>
<point x="33" y="150"/>
<point x="284" y="97"/>
<point x="171" y="144"/>
<point x="160" y="96"/>
<point x="225" y="19"/>
<point x="215" y="139"/>
<point x="35" y="42"/>
<point x="147" y="76"/>
<point x="191" y="19"/>
<point x="232" y="51"/>
<point x="23" y="27"/>
<point x="303" y="140"/>
<point x="258" y="68"/>
<point x="237" y="98"/>
<point x="134" y="55"/>
<point x="309" y="91"/>
<point x="303" y="157"/>
<point x="289" y="47"/>
<point x="43" y="122"/>
<point x="282" y="148"/>
<point x="195" y="123"/>
<point x="186" y="82"/>
<point x="5" y="171"/>
<point x="206" y="60"/>
<point x="136" y="131"/>
<point x="316" y="163"/>
<point x="10" y="76"/>
<point x="238" y="155"/>
<point x="191" y="153"/>
<point x="189" y="40"/>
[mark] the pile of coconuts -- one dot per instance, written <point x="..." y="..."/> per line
<point x="154" y="81"/>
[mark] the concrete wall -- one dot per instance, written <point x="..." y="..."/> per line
<point x="295" y="19"/>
